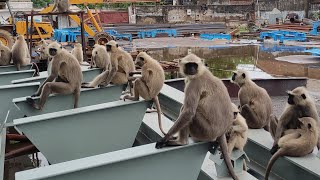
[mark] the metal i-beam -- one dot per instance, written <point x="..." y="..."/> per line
<point x="141" y="162"/>
<point x="86" y="131"/>
<point x="7" y="77"/>
<point x="88" y="75"/>
<point x="9" y="92"/>
<point x="63" y="102"/>
<point x="12" y="68"/>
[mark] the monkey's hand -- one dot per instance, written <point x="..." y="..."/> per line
<point x="161" y="143"/>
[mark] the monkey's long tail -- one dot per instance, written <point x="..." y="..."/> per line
<point x="37" y="69"/>
<point x="224" y="149"/>
<point x="272" y="161"/>
<point x="156" y="101"/>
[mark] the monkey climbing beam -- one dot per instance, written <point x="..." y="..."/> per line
<point x="259" y="140"/>
<point x="8" y="92"/>
<point x="86" y="131"/>
<point x="7" y="77"/>
<point x="88" y="75"/>
<point x="88" y="97"/>
<point x="11" y="68"/>
<point x="141" y="162"/>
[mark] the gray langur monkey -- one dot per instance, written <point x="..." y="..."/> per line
<point x="122" y="64"/>
<point x="148" y="86"/>
<point x="206" y="114"/>
<point x="237" y="135"/>
<point x="20" y="53"/>
<point x="300" y="104"/>
<point x="77" y="52"/>
<point x="5" y="55"/>
<point x="255" y="102"/>
<point x="65" y="77"/>
<point x="43" y="52"/>
<point x="100" y="59"/>
<point x="61" y="6"/>
<point x="296" y="142"/>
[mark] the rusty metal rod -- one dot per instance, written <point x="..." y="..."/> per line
<point x="21" y="151"/>
<point x="16" y="137"/>
<point x="83" y="38"/>
<point x="54" y="13"/>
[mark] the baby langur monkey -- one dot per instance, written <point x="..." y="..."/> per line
<point x="255" y="102"/>
<point x="296" y="142"/>
<point x="65" y="77"/>
<point x="237" y="135"/>
<point x="5" y="55"/>
<point x="61" y="6"/>
<point x="206" y="114"/>
<point x="150" y="83"/>
<point x="300" y="104"/>
<point x="20" y="53"/>
<point x="100" y="59"/>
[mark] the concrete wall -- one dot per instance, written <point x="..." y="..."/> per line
<point x="178" y="14"/>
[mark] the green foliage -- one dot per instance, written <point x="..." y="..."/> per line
<point x="41" y="3"/>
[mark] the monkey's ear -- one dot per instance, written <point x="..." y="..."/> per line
<point x="243" y="75"/>
<point x="141" y="58"/>
<point x="303" y="96"/>
<point x="309" y="126"/>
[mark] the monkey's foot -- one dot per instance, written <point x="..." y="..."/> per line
<point x="162" y="143"/>
<point x="274" y="149"/>
<point x="130" y="98"/>
<point x="125" y="92"/>
<point x="31" y="102"/>
<point x="86" y="85"/>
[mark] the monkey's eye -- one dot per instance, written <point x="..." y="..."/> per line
<point x="141" y="59"/>
<point x="303" y="96"/>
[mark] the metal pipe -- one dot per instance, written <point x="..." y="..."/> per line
<point x="27" y="28"/>
<point x="93" y="20"/>
<point x="16" y="137"/>
<point x="82" y="37"/>
<point x="31" y="32"/>
<point x="21" y="151"/>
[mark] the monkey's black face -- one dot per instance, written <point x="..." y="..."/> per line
<point x="52" y="51"/>
<point x="234" y="76"/>
<point x="108" y="47"/>
<point x="290" y="99"/>
<point x="191" y="68"/>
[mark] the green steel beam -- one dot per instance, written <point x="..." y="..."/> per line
<point x="7" y="77"/>
<point x="63" y="102"/>
<point x="11" y="68"/>
<point x="137" y="163"/>
<point x="86" y="131"/>
<point x="9" y="92"/>
<point x="88" y="75"/>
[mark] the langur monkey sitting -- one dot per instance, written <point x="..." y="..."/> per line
<point x="65" y="77"/>
<point x="5" y="55"/>
<point x="149" y="85"/>
<point x="206" y="114"/>
<point x="61" y="6"/>
<point x="100" y="59"/>
<point x="296" y="142"/>
<point x="300" y="104"/>
<point x="255" y="102"/>
<point x="78" y="53"/>
<point x="237" y="135"/>
<point x="20" y="53"/>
